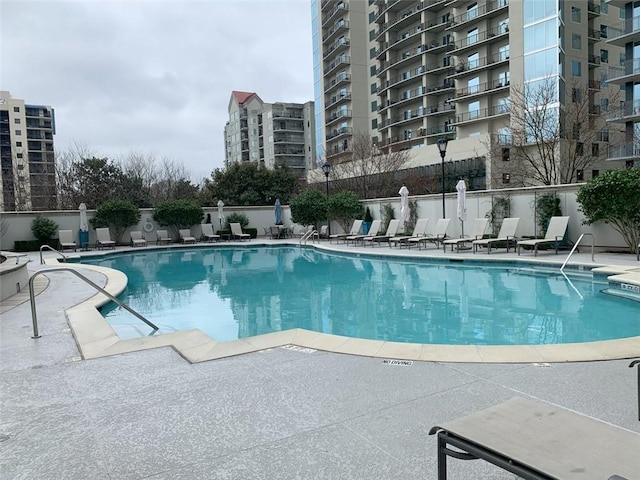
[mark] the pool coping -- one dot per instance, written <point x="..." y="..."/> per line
<point x="96" y="338"/>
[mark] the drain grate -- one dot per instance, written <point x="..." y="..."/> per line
<point x="542" y="365"/>
<point x="401" y="363"/>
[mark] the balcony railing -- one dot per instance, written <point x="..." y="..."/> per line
<point x="593" y="9"/>
<point x="475" y="14"/>
<point x="629" y="67"/>
<point x="630" y="25"/>
<point x="281" y="114"/>
<point x="340" y="7"/>
<point x="481" y="113"/>
<point x="338" y="115"/>
<point x="343" y="60"/>
<point x="471" y="40"/>
<point x="630" y="108"/>
<point x="337" y="27"/>
<point x="469" y="66"/>
<point x="337" y="81"/>
<point x="339" y="44"/>
<point x="481" y="88"/>
<point x="340" y="131"/>
<point x="337" y="99"/>
<point x="624" y="150"/>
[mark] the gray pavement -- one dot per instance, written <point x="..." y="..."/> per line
<point x="278" y="413"/>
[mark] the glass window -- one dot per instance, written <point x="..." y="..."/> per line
<point x="604" y="6"/>
<point x="576" y="41"/>
<point x="604" y="31"/>
<point x="503" y="105"/>
<point x="576" y="68"/>
<point x="575" y="14"/>
<point x="473" y="85"/>
<point x="16" y="120"/>
<point x="18" y="132"/>
<point x="374" y="123"/>
<point x="541" y="64"/>
<point x="372" y="53"/>
<point x="372" y="17"/>
<point x="472" y="11"/>
<point x="472" y="36"/>
<point x="373" y="71"/>
<point x="604" y="56"/>
<point x="472" y="60"/>
<point x="374" y="106"/>
<point x="503" y="53"/>
<point x="374" y="87"/>
<point x="503" y="26"/>
<point x="541" y="35"/>
<point x="474" y="110"/>
<point x="504" y="78"/>
<point x="372" y="35"/>
<point x="538" y="9"/>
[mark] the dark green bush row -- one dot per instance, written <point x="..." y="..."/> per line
<point x="33" y="245"/>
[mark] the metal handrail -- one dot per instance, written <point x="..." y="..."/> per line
<point x="575" y="246"/>
<point x="32" y="297"/>
<point x="308" y="235"/>
<point x="53" y="250"/>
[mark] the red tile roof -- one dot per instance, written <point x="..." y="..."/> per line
<point x="242" y="97"/>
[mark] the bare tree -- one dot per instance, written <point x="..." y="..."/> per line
<point x="369" y="172"/>
<point x="550" y="141"/>
<point x="65" y="178"/>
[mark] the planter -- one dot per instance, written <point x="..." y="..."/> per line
<point x="365" y="227"/>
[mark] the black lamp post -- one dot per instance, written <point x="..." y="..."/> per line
<point x="326" y="168"/>
<point x="442" y="146"/>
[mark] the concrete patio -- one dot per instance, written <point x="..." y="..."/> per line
<point x="276" y="413"/>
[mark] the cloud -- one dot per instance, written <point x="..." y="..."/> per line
<point x="153" y="76"/>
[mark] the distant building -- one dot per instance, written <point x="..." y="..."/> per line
<point x="27" y="155"/>
<point x="626" y="34"/>
<point x="411" y="72"/>
<point x="270" y="134"/>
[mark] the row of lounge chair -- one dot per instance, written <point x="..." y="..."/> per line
<point x="103" y="237"/>
<point x="556" y="231"/>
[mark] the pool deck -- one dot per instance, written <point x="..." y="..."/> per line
<point x="271" y="413"/>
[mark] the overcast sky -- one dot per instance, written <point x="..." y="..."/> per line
<point x="153" y="76"/>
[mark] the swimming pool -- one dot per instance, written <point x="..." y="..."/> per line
<point x="232" y="293"/>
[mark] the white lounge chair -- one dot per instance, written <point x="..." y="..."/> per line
<point x="65" y="240"/>
<point x="436" y="237"/>
<point x="373" y="231"/>
<point x="555" y="234"/>
<point x="137" y="239"/>
<point x="355" y="230"/>
<point x="506" y="234"/>
<point x="104" y="238"/>
<point x="392" y="230"/>
<point x="324" y="231"/>
<point x="185" y="236"/>
<point x="479" y="227"/>
<point x="207" y="233"/>
<point x="420" y="230"/>
<point x="162" y="237"/>
<point x="236" y="232"/>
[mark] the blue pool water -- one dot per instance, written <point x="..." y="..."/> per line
<point x="232" y="293"/>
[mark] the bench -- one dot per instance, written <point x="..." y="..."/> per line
<point x="537" y="440"/>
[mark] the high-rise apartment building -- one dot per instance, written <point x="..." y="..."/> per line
<point x="270" y="134"/>
<point x="446" y="69"/>
<point x="27" y="155"/>
<point x="626" y="34"/>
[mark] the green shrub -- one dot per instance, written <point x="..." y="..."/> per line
<point x="387" y="213"/>
<point x="343" y="207"/>
<point x="118" y="215"/>
<point x="240" y="218"/>
<point x="612" y="197"/>
<point x="33" y="245"/>
<point x="43" y="228"/>
<point x="178" y="214"/>
<point x="309" y="208"/>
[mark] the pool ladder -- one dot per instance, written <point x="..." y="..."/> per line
<point x="575" y="246"/>
<point x="64" y="257"/>
<point x="32" y="297"/>
<point x="311" y="234"/>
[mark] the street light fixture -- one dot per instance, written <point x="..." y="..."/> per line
<point x="326" y="168"/>
<point x="442" y="146"/>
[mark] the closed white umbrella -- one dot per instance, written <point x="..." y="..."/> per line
<point x="221" y="212"/>
<point x="404" y="204"/>
<point x="461" y="188"/>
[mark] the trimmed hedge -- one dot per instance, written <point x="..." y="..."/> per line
<point x="33" y="245"/>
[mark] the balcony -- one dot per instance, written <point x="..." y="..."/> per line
<point x="289" y="151"/>
<point x="466" y="68"/>
<point x="338" y="132"/>
<point x="481" y="114"/>
<point x="335" y="116"/>
<point x="337" y="46"/>
<point x="341" y="7"/>
<point x="337" y="99"/>
<point x="628" y="72"/>
<point x="482" y="12"/>
<point x="629" y="111"/>
<point x="593" y="35"/>
<point x="593" y="10"/>
<point x="472" y="41"/>
<point x="282" y="114"/>
<point x="335" y="82"/>
<point x="624" y="151"/>
<point x="338" y="151"/>
<point x="594" y="85"/>
<point x="594" y="61"/>
<point x="287" y="139"/>
<point x="626" y="32"/>
<point x="340" y="26"/>
<point x="404" y="77"/>
<point x="343" y="60"/>
<point x="445" y="129"/>
<point x="482" y="88"/>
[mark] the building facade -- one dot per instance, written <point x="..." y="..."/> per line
<point x="447" y="69"/>
<point x="270" y="134"/>
<point x="27" y="155"/>
<point x="626" y="35"/>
